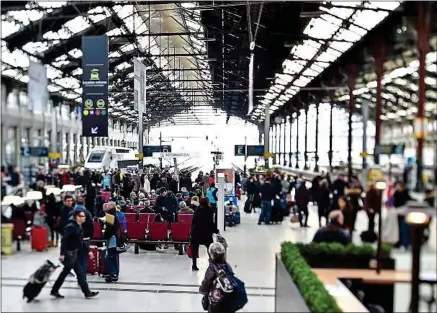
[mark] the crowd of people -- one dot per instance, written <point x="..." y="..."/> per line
<point x="338" y="203"/>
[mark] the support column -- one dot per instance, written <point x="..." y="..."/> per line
<point x="279" y="142"/>
<point x="297" y="139"/>
<point x="275" y="146"/>
<point x="352" y="71"/>
<point x="423" y="35"/>
<point x="379" y="54"/>
<point x="305" y="154"/>
<point x="316" y="156"/>
<point x="365" y="114"/>
<point x="330" y="152"/>
<point x="291" y="139"/>
<point x="267" y="135"/>
<point x="284" y="161"/>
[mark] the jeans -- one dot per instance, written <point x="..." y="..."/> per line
<point x="83" y="256"/>
<point x="303" y="210"/>
<point x="266" y="208"/>
<point x="404" y="232"/>
<point x="111" y="256"/>
<point x="71" y="261"/>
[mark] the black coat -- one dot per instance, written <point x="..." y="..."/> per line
<point x="332" y="233"/>
<point x="203" y="226"/>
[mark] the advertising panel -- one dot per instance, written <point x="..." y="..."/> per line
<point x="95" y="86"/>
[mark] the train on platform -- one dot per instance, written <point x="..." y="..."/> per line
<point x="104" y="158"/>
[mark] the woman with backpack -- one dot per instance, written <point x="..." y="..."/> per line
<point x="222" y="291"/>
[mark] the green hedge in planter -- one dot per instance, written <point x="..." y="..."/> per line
<point x="311" y="288"/>
<point x="339" y="250"/>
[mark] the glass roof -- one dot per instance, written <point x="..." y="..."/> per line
<point x="327" y="37"/>
<point x="168" y="56"/>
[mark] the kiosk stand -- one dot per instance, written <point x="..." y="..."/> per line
<point x="221" y="202"/>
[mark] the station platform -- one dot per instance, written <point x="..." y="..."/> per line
<point x="164" y="282"/>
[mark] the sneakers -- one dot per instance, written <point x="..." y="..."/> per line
<point x="194" y="268"/>
<point x="57" y="295"/>
<point x="92" y="294"/>
<point x="111" y="279"/>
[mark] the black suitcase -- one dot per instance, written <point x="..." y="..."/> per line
<point x="38" y="280"/>
<point x="248" y="204"/>
<point x="277" y="215"/>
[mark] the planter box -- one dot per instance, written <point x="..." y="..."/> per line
<point x="287" y="295"/>
<point x="322" y="261"/>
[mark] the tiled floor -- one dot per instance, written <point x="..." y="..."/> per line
<point x="164" y="282"/>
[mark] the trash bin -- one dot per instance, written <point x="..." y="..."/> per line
<point x="7" y="238"/>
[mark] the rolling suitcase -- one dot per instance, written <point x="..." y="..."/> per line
<point x="277" y="215"/>
<point x="236" y="218"/>
<point x="92" y="265"/>
<point x="248" y="204"/>
<point x="103" y="265"/>
<point x="39" y="241"/>
<point x="106" y="196"/>
<point x="38" y="280"/>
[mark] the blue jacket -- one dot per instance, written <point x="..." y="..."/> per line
<point x="122" y="219"/>
<point x="106" y="182"/>
<point x="211" y="193"/>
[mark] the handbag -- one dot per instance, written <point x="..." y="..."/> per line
<point x="190" y="252"/>
<point x="205" y="302"/>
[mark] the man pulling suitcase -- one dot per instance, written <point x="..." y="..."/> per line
<point x="72" y="242"/>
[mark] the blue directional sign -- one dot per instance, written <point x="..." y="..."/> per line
<point x="149" y="150"/>
<point x="34" y="151"/>
<point x="255" y="150"/>
<point x="240" y="150"/>
<point x="95" y="86"/>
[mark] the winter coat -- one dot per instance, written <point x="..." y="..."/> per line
<point x="373" y="200"/>
<point x="203" y="226"/>
<point x="332" y="233"/>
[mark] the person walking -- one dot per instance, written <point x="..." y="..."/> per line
<point x="71" y="243"/>
<point x="267" y="193"/>
<point x="202" y="229"/>
<point x="88" y="230"/>
<point x="302" y="199"/>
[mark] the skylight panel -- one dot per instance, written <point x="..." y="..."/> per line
<point x="310" y="72"/>
<point x="318" y="67"/>
<point x="9" y="28"/>
<point x="51" y="5"/>
<point x="10" y="73"/>
<point x="114" y="32"/>
<point x="123" y="11"/>
<point x="369" y="19"/>
<point x="26" y="16"/>
<point x="327" y="57"/>
<point x="75" y="53"/>
<point x="114" y="54"/>
<point x="77" y="24"/>
<point x="127" y="48"/>
<point x="15" y="58"/>
<point x="319" y="28"/>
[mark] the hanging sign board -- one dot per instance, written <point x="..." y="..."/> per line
<point x="149" y="150"/>
<point x="255" y="150"/>
<point x="95" y="86"/>
<point x="240" y="150"/>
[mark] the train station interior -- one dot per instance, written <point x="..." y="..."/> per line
<point x="295" y="141"/>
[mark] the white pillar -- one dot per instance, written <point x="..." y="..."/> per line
<point x="221" y="202"/>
